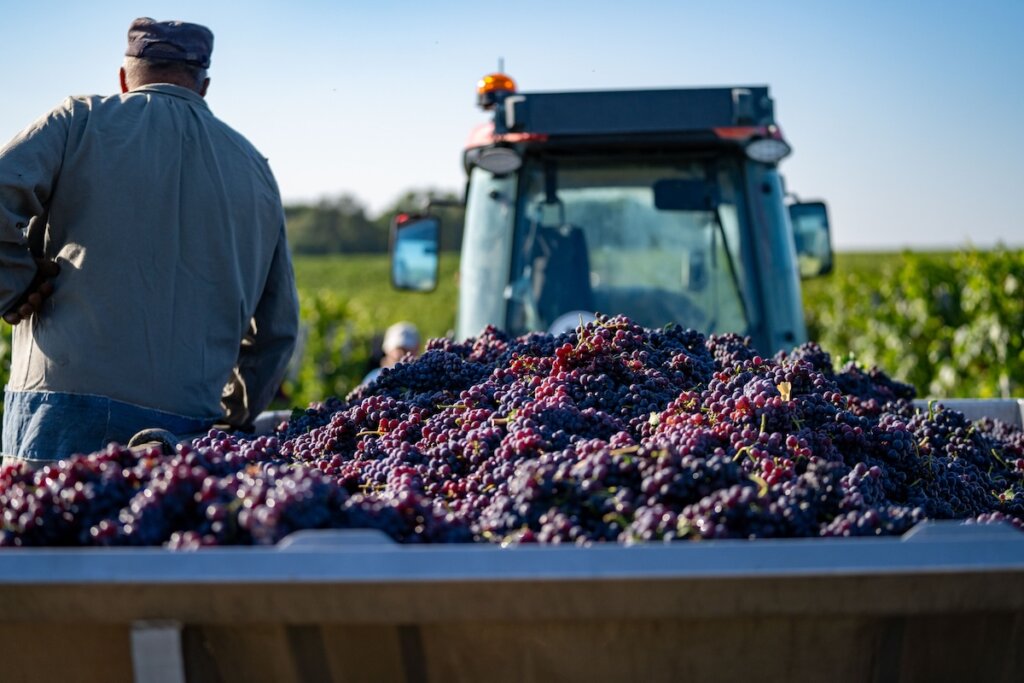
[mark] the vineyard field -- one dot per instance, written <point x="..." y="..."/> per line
<point x="948" y="323"/>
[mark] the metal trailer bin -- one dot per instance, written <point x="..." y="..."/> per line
<point x="1009" y="410"/>
<point x="943" y="602"/>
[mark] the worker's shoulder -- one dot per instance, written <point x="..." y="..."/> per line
<point x="71" y="109"/>
<point x="83" y="102"/>
<point x="238" y="139"/>
<point x="107" y="105"/>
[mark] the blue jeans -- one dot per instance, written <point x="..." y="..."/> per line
<point x="45" y="426"/>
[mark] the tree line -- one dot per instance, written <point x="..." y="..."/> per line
<point x="342" y="225"/>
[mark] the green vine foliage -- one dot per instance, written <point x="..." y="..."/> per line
<point x="332" y="353"/>
<point x="949" y="324"/>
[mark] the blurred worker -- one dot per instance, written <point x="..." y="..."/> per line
<point x="143" y="261"/>
<point x="400" y="340"/>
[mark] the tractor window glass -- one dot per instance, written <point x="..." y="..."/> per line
<point x="483" y="269"/>
<point x="592" y="237"/>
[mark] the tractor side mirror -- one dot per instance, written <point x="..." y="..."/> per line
<point x="812" y="237"/>
<point x="414" y="252"/>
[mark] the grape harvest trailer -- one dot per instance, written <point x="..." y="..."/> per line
<point x="943" y="602"/>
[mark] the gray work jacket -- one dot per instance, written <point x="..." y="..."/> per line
<point x="169" y="231"/>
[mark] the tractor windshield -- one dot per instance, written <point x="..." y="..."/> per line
<point x="659" y="242"/>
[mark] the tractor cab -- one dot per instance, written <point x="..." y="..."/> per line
<point x="663" y="205"/>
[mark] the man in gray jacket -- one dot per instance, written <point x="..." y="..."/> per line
<point x="143" y="261"/>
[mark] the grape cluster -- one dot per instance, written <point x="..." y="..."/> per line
<point x="607" y="433"/>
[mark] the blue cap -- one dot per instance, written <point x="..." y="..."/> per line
<point x="173" y="40"/>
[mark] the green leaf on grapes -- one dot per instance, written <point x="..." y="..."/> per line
<point x="741" y="452"/>
<point x="762" y="485"/>
<point x="996" y="456"/>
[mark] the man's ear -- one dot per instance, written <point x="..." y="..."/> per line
<point x="124" y="80"/>
<point x="204" y="87"/>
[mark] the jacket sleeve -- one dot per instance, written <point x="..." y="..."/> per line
<point x="265" y="352"/>
<point x="29" y="167"/>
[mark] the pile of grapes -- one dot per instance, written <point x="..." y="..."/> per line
<point x="610" y="432"/>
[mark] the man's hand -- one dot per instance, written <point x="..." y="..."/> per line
<point x="31" y="300"/>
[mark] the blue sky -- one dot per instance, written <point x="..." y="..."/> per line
<point x="906" y="116"/>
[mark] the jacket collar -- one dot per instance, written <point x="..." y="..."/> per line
<point x="175" y="91"/>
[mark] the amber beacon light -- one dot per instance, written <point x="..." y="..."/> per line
<point x="490" y="86"/>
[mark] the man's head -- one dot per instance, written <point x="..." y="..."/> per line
<point x="400" y="339"/>
<point x="173" y="52"/>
